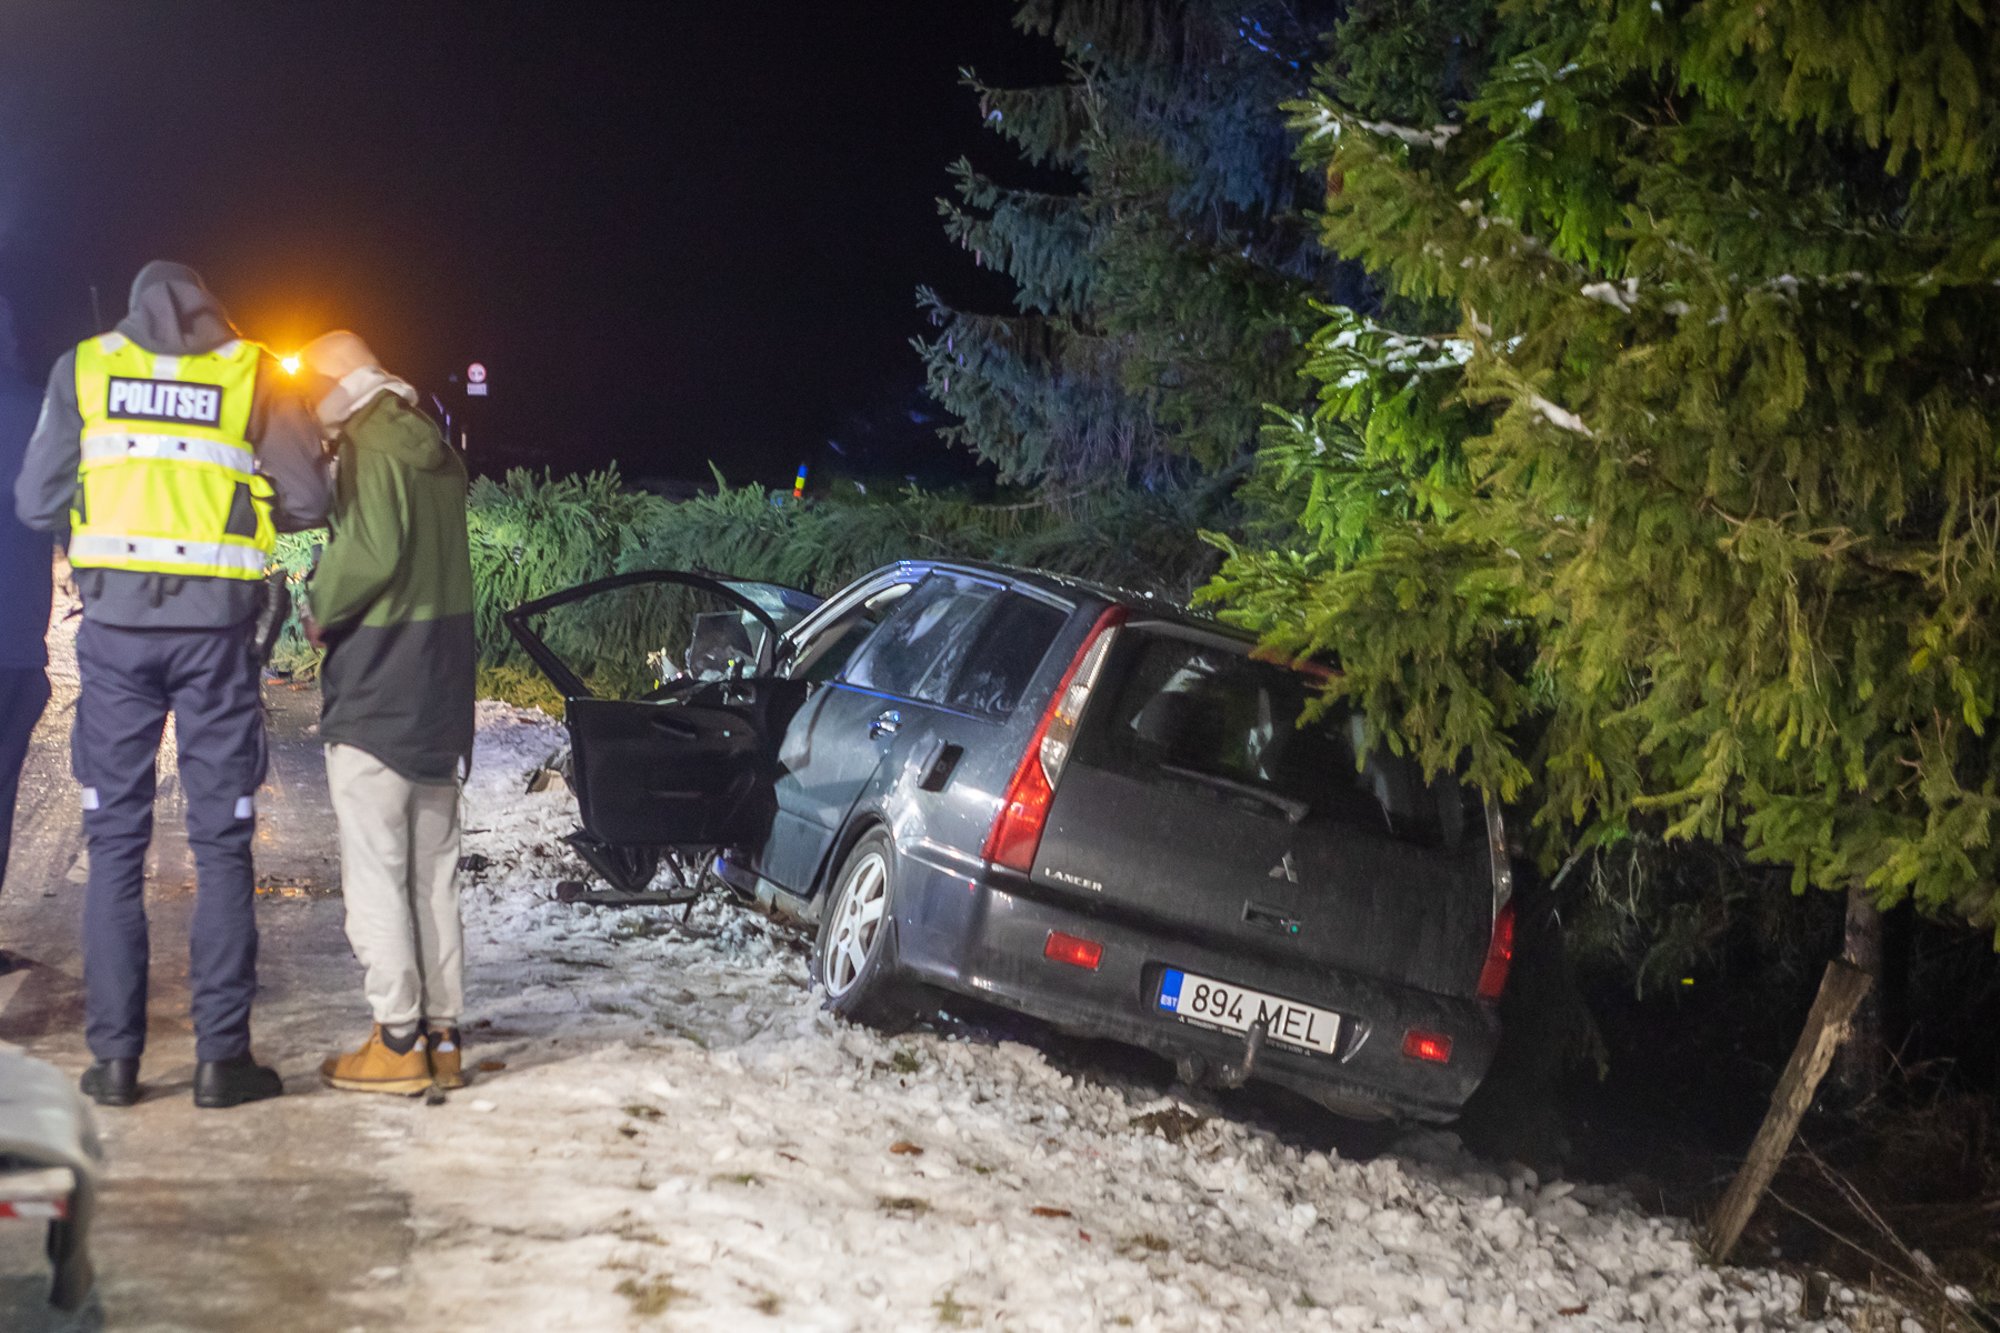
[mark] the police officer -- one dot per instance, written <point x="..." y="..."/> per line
<point x="173" y="451"/>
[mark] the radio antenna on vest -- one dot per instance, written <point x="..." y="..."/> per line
<point x="96" y="314"/>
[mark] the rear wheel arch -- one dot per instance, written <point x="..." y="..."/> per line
<point x="859" y="825"/>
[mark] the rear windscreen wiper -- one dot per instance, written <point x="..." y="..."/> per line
<point x="1293" y="810"/>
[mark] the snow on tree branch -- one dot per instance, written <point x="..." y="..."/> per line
<point x="1560" y="416"/>
<point x="1323" y="122"/>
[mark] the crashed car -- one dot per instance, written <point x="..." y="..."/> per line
<point x="1071" y="803"/>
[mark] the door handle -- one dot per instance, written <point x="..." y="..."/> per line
<point x="678" y="728"/>
<point x="886" y="723"/>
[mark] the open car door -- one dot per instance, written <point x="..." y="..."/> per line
<point x="672" y="710"/>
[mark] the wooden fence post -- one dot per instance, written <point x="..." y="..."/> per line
<point x="1841" y="991"/>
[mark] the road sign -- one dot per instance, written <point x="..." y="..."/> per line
<point x="475" y="379"/>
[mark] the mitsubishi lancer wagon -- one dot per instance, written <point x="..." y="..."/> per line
<point x="1074" y="803"/>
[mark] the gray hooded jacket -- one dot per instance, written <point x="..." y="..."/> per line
<point x="173" y="314"/>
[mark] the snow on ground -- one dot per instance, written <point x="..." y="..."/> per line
<point x="681" y="1137"/>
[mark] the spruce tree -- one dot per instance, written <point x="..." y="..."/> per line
<point x="1162" y="261"/>
<point x="1691" y="511"/>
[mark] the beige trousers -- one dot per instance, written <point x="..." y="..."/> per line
<point x="398" y="869"/>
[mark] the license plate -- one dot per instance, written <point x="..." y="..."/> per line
<point x="1221" y="1004"/>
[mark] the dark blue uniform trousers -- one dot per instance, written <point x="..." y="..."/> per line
<point x="24" y="693"/>
<point x="130" y="679"/>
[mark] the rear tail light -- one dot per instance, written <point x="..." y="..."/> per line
<point x="1432" y="1046"/>
<point x="1500" y="950"/>
<point x="1024" y="811"/>
<point x="1499" y="955"/>
<point x="1074" y="950"/>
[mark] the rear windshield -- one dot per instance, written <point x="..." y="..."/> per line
<point x="1174" y="711"/>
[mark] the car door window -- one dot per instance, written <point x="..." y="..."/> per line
<point x="927" y="628"/>
<point x="644" y="634"/>
<point x="822" y="653"/>
<point x="999" y="660"/>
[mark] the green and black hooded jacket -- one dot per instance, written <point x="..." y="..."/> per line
<point x="393" y="596"/>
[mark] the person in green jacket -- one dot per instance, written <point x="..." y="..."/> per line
<point x="391" y="604"/>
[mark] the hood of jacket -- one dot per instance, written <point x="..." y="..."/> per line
<point x="356" y="390"/>
<point x="389" y="425"/>
<point x="173" y="313"/>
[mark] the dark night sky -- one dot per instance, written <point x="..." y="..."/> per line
<point x="673" y="231"/>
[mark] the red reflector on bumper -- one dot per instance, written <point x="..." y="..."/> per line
<point x="1432" y="1046"/>
<point x="36" y="1210"/>
<point x="1076" y="952"/>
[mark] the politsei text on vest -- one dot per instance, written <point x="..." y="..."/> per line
<point x="165" y="400"/>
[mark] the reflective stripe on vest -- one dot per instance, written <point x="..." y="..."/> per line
<point x="98" y="448"/>
<point x="100" y="552"/>
<point x="167" y="481"/>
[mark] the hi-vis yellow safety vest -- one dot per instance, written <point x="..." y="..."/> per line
<point x="168" y="482"/>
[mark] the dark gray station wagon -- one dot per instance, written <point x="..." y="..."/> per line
<point x="1068" y="802"/>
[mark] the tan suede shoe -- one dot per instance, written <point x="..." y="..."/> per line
<point x="447" y="1057"/>
<point x="376" y="1067"/>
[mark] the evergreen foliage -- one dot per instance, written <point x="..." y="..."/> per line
<point x="1692" y="514"/>
<point x="1163" y="280"/>
<point x="534" y="535"/>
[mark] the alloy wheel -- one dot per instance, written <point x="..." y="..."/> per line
<point x="857" y="924"/>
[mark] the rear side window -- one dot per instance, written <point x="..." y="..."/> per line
<point x="1214" y="718"/>
<point x="927" y="628"/>
<point x="999" y="660"/>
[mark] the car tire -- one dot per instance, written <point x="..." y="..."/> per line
<point x="854" y="960"/>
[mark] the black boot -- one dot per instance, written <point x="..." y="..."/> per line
<point x="219" y="1083"/>
<point x="112" y="1082"/>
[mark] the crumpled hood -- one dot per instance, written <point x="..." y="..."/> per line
<point x="390" y="425"/>
<point x="173" y="312"/>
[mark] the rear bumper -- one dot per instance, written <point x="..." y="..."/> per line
<point x="983" y="936"/>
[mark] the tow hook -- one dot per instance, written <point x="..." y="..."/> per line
<point x="1235" y="1076"/>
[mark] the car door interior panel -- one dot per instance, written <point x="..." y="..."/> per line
<point x="689" y="763"/>
<point x="668" y="772"/>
